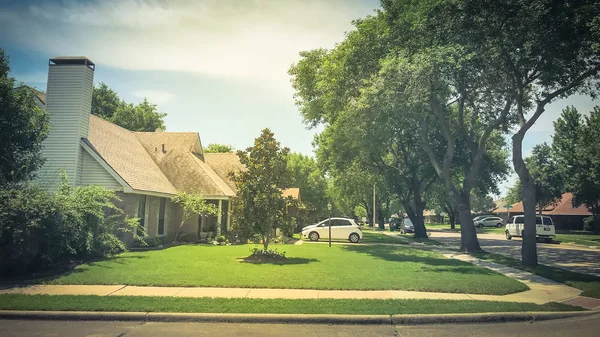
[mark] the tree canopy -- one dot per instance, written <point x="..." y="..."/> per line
<point x="23" y="127"/>
<point x="576" y="148"/>
<point x="306" y="175"/>
<point x="218" y="148"/>
<point x="143" y="117"/>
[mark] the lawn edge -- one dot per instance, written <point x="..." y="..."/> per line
<point x="405" y="319"/>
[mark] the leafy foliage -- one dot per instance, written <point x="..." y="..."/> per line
<point x="576" y="148"/>
<point x="546" y="175"/>
<point x="192" y="204"/>
<point x="306" y="175"/>
<point x="143" y="117"/>
<point x="105" y="101"/>
<point x="259" y="207"/>
<point x="218" y="148"/>
<point x="41" y="230"/>
<point x="23" y="127"/>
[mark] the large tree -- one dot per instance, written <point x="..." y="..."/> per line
<point x="546" y="175"/>
<point x="529" y="53"/>
<point x="259" y="207"/>
<point x="105" y="101"/>
<point x="576" y="148"/>
<point x="143" y="117"/>
<point x="23" y="127"/>
<point x="306" y="175"/>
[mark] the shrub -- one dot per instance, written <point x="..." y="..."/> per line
<point x="40" y="230"/>
<point x="221" y="238"/>
<point x="267" y="253"/>
<point x="588" y="223"/>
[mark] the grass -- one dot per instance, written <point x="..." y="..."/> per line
<point x="308" y="267"/>
<point x="484" y="230"/>
<point x="579" y="238"/>
<point x="590" y="285"/>
<point x="372" y="236"/>
<point x="272" y="306"/>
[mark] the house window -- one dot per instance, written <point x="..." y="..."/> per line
<point x="161" y="216"/>
<point x="141" y="214"/>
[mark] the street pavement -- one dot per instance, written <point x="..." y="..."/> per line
<point x="584" y="327"/>
<point x="571" y="257"/>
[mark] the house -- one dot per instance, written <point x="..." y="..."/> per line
<point x="145" y="169"/>
<point x="563" y="214"/>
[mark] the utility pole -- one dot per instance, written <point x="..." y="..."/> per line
<point x="374" y="209"/>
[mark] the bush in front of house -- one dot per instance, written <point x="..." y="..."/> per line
<point x="588" y="224"/>
<point x="41" y="230"/>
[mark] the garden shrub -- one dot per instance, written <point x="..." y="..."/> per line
<point x="588" y="223"/>
<point x="40" y="230"/>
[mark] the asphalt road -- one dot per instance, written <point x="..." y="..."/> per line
<point x="583" y="327"/>
<point x="579" y="259"/>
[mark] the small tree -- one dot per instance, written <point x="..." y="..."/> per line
<point x="192" y="204"/>
<point x="259" y="207"/>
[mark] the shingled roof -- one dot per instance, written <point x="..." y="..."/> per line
<point x="563" y="207"/>
<point x="121" y="150"/>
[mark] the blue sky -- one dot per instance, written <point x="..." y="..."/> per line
<point x="218" y="67"/>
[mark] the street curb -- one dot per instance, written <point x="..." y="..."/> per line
<point x="290" y="318"/>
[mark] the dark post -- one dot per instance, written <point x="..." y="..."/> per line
<point x="329" y="222"/>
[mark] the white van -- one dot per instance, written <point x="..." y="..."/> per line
<point x="544" y="227"/>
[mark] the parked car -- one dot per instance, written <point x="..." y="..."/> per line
<point x="407" y="226"/>
<point x="395" y="224"/>
<point x="481" y="217"/>
<point x="490" y="221"/>
<point x="341" y="228"/>
<point x="544" y="229"/>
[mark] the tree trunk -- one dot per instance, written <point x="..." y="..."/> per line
<point x="596" y="227"/>
<point x="415" y="214"/>
<point x="468" y="235"/>
<point x="452" y="219"/>
<point x="266" y="239"/>
<point x="369" y="215"/>
<point x="380" y="217"/>
<point x="528" y="247"/>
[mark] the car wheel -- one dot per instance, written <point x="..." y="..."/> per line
<point x="508" y="237"/>
<point x="313" y="236"/>
<point x="354" y="238"/>
<point x="480" y="225"/>
<point x="498" y="225"/>
<point x="402" y="231"/>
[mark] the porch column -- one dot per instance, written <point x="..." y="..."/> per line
<point x="228" y="214"/>
<point x="219" y="217"/>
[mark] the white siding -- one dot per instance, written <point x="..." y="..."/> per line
<point x="68" y="101"/>
<point x="94" y="174"/>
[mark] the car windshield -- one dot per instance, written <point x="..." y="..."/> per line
<point x="407" y="222"/>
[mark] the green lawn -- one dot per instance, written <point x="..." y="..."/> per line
<point x="309" y="266"/>
<point x="580" y="238"/>
<point x="590" y="285"/>
<point x="485" y="230"/>
<point x="372" y="236"/>
<point x="273" y="306"/>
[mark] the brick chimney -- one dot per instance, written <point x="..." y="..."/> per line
<point x="69" y="103"/>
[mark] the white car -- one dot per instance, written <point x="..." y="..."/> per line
<point x="341" y="228"/>
<point x="491" y="221"/>
<point x="544" y="230"/>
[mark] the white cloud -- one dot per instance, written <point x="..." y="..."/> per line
<point x="154" y="96"/>
<point x="250" y="40"/>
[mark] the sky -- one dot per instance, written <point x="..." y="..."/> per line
<point x="216" y="67"/>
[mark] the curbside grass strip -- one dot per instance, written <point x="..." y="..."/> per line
<point x="73" y="315"/>
<point x="496" y="317"/>
<point x="291" y="319"/>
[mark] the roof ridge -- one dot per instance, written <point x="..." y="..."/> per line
<point x="214" y="177"/>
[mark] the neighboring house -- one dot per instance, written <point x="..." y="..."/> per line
<point x="563" y="214"/>
<point x="146" y="169"/>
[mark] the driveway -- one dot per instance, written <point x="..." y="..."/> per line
<point x="574" y="258"/>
